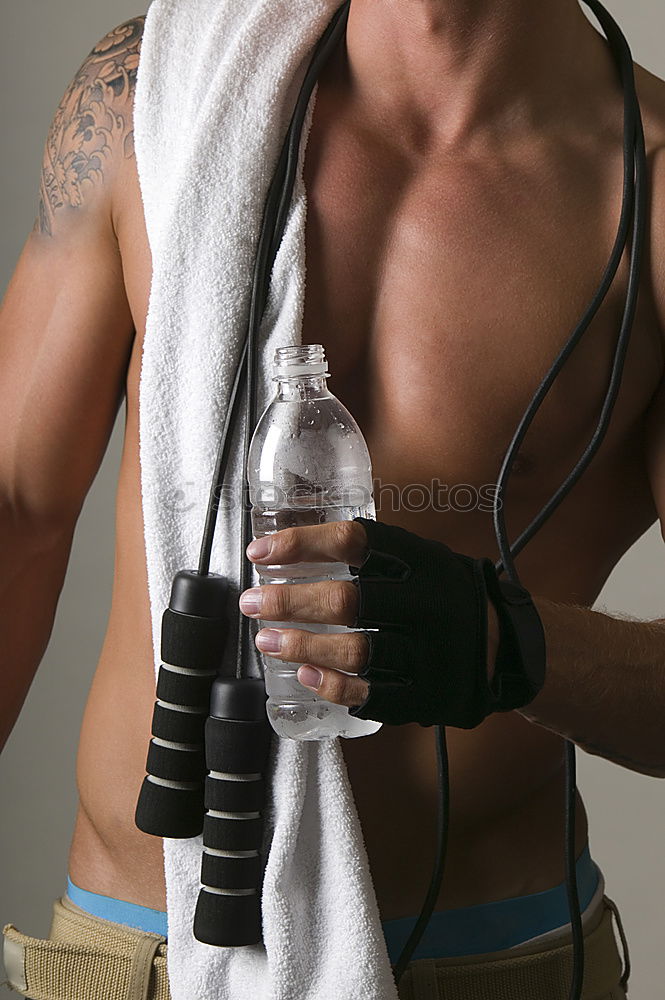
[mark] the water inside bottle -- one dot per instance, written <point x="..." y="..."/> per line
<point x="294" y="710"/>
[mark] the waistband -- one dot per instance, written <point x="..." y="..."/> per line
<point x="496" y="926"/>
<point x="87" y="958"/>
<point x="118" y="911"/>
<point x="472" y="930"/>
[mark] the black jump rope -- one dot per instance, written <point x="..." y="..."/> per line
<point x="211" y="736"/>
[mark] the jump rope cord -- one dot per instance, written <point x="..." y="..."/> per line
<point x="273" y="237"/>
<point x="633" y="204"/>
<point x="634" y="199"/>
<point x="273" y="223"/>
<point x="272" y="228"/>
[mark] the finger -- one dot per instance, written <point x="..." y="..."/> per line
<point x="343" y="651"/>
<point x="333" y="686"/>
<point x="334" y="602"/>
<point x="337" y="541"/>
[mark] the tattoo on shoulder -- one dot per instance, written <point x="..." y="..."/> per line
<point x="93" y="121"/>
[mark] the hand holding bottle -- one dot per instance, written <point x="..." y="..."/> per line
<point x="331" y="602"/>
<point x="444" y="641"/>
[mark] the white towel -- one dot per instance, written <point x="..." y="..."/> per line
<point x="217" y="82"/>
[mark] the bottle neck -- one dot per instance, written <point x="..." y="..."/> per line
<point x="302" y="387"/>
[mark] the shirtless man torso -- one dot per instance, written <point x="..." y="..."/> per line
<point x="461" y="209"/>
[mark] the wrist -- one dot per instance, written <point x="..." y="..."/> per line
<point x="532" y="711"/>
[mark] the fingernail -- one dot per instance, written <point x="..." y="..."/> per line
<point x="250" y="601"/>
<point x="269" y="640"/>
<point x="310" y="677"/>
<point x="259" y="548"/>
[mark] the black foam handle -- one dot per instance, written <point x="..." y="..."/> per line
<point x="161" y="807"/>
<point x="193" y="638"/>
<point x="191" y="641"/>
<point x="229" y="795"/>
<point x="236" y="746"/>
<point x="175" y="763"/>
<point x="241" y="872"/>
<point x="238" y="735"/>
<point x="174" y="724"/>
<point x="224" y="833"/>
<point x="191" y="689"/>
<point x="239" y="915"/>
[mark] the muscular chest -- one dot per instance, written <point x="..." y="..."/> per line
<point x="443" y="291"/>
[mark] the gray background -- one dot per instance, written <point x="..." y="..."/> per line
<point x="42" y="44"/>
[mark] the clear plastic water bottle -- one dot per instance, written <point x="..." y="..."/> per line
<point x="308" y="464"/>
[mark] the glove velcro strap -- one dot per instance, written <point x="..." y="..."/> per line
<point x="522" y="641"/>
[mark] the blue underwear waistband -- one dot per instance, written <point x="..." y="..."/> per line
<point x="488" y="927"/>
<point x="472" y="930"/>
<point x="116" y="910"/>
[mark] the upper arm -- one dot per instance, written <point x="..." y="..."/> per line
<point x="66" y="330"/>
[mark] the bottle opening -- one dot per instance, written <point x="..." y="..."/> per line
<point x="300" y="359"/>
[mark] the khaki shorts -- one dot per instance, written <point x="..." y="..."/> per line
<point x="540" y="970"/>
<point x="86" y="958"/>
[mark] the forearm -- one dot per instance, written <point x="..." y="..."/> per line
<point x="605" y="685"/>
<point x="33" y="563"/>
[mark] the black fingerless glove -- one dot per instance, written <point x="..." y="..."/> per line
<point x="428" y="660"/>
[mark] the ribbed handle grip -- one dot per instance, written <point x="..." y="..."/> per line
<point x="237" y="740"/>
<point x="194" y="631"/>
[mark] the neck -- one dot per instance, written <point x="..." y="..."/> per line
<point x="444" y="70"/>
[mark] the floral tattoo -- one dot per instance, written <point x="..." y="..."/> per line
<point x="94" y="118"/>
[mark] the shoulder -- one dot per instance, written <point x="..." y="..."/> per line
<point x="92" y="130"/>
<point x="110" y="68"/>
